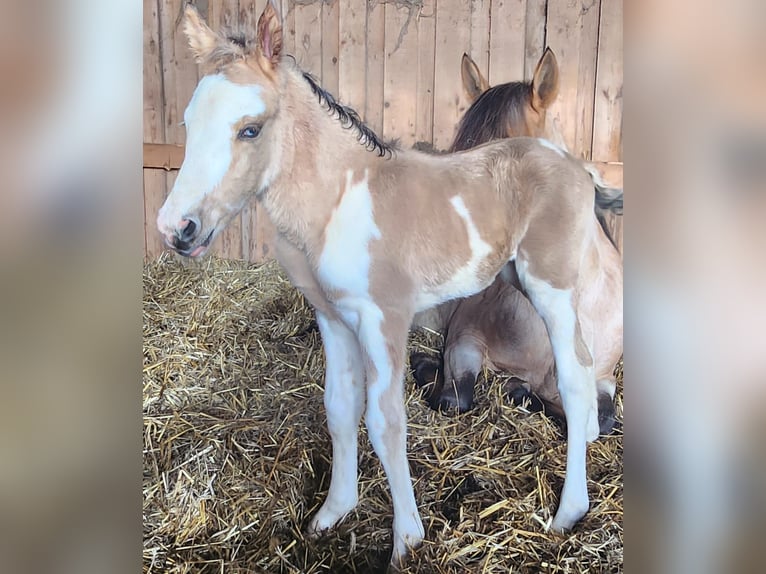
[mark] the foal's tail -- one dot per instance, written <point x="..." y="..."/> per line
<point x="608" y="198"/>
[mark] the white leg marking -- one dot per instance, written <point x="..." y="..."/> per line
<point x="344" y="402"/>
<point x="577" y="386"/>
<point x="386" y="421"/>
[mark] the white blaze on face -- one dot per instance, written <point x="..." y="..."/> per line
<point x="215" y="108"/>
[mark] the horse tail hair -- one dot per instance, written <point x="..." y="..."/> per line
<point x="607" y="199"/>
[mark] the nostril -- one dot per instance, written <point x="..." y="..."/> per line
<point x="187" y="233"/>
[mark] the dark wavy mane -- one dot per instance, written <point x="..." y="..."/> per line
<point x="490" y="115"/>
<point x="349" y="119"/>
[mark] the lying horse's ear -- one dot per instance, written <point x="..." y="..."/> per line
<point x="474" y="83"/>
<point x="545" y="82"/>
<point x="270" y="36"/>
<point x="202" y="40"/>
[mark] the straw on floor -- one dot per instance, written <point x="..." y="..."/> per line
<point x="237" y="454"/>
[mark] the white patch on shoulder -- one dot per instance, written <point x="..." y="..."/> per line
<point x="216" y="106"/>
<point x="344" y="263"/>
<point x="550" y="145"/>
<point x="466" y="280"/>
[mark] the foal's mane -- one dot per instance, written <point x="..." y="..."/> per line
<point x="349" y="118"/>
<point x="486" y="119"/>
<point x="238" y="42"/>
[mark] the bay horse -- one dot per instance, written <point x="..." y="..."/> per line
<point x="372" y="234"/>
<point x="499" y="327"/>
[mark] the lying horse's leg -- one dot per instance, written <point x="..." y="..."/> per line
<point x="462" y="365"/>
<point x="577" y="386"/>
<point x="606" y="414"/>
<point x="384" y="343"/>
<point x="449" y="383"/>
<point x="428" y="372"/>
<point x="344" y="403"/>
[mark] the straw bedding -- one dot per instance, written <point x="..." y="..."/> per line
<point x="237" y="455"/>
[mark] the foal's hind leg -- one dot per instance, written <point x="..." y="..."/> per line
<point x="384" y="341"/>
<point x="577" y="386"/>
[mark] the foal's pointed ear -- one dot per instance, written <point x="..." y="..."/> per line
<point x="474" y="83"/>
<point x="270" y="35"/>
<point x="545" y="82"/>
<point x="202" y="40"/>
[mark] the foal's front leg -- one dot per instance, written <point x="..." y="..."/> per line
<point x="384" y="339"/>
<point x="344" y="403"/>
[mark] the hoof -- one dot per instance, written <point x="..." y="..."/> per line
<point x="520" y="394"/>
<point x="327" y="518"/>
<point x="450" y="403"/>
<point x="567" y="517"/>
<point x="606" y="414"/>
<point x="425" y="369"/>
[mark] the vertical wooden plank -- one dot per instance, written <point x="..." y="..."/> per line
<point x="572" y="33"/>
<point x="352" y="55"/>
<point x="330" y="45"/>
<point x="480" y="28"/>
<point x="452" y="39"/>
<point x="225" y="13"/>
<point x="288" y="25"/>
<point x="376" y="46"/>
<point x="534" y="36"/>
<point x="179" y="72"/>
<point x="424" y="97"/>
<point x="154" y="132"/>
<point x="507" y="41"/>
<point x="399" y="103"/>
<point x="607" y="114"/>
<point x="154" y="197"/>
<point x="308" y="38"/>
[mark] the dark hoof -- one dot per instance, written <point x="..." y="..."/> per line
<point x="521" y="395"/>
<point x="606" y="414"/>
<point x="450" y="403"/>
<point x="425" y="368"/>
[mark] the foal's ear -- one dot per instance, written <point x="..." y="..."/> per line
<point x="202" y="40"/>
<point x="474" y="83"/>
<point x="270" y="35"/>
<point x="545" y="82"/>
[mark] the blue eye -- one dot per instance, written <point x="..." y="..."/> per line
<point x="249" y="132"/>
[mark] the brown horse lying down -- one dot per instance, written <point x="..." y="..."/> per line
<point x="499" y="327"/>
<point x="372" y="234"/>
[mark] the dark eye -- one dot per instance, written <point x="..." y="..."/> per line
<point x="249" y="132"/>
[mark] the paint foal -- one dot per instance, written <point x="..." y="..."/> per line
<point x="499" y="328"/>
<point x="349" y="214"/>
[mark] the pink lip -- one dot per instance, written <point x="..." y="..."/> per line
<point x="198" y="251"/>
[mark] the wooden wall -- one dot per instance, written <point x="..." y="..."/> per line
<point x="397" y="62"/>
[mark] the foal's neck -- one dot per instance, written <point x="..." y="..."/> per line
<point x="317" y="151"/>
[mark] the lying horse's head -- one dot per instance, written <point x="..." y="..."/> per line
<point x="507" y="110"/>
<point x="229" y="154"/>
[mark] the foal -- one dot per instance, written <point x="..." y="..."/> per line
<point x="348" y="212"/>
<point x="499" y="328"/>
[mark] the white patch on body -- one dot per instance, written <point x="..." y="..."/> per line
<point x="550" y="145"/>
<point x="466" y="280"/>
<point x="577" y="386"/>
<point x="216" y="106"/>
<point x="344" y="263"/>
